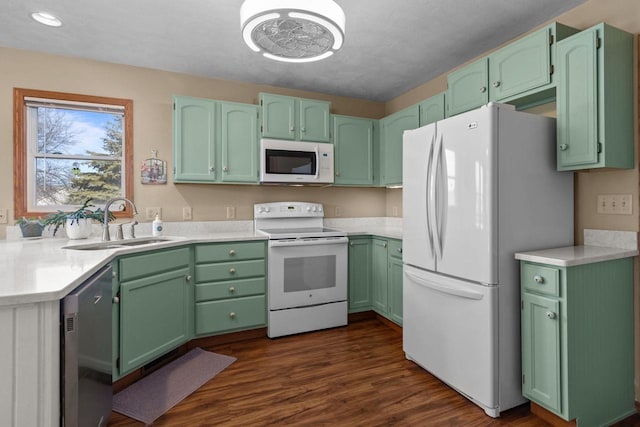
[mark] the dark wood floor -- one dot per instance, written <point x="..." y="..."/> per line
<point x="350" y="376"/>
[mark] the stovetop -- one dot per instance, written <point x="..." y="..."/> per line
<point x="302" y="232"/>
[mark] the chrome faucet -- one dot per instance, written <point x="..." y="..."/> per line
<point x="105" y="224"/>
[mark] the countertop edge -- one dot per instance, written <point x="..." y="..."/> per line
<point x="575" y="255"/>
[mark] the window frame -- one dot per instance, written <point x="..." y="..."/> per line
<point x="20" y="144"/>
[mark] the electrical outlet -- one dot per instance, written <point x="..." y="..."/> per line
<point x="3" y="216"/>
<point x="338" y="211"/>
<point x="231" y="212"/>
<point x="187" y="213"/>
<point x="151" y="213"/>
<point x="394" y="211"/>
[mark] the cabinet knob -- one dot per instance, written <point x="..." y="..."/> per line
<point x="400" y="250"/>
<point x="232" y="252"/>
<point x="232" y="315"/>
<point x="551" y="315"/>
<point x="188" y="278"/>
<point x="483" y="89"/>
<point x="116" y="300"/>
<point x="225" y="169"/>
<point x="212" y="169"/>
<point x="538" y="279"/>
<point x="232" y="270"/>
<point x="350" y="243"/>
<point x="232" y="289"/>
<point x="303" y="130"/>
<point x="563" y="147"/>
<point x="292" y="129"/>
<point x="496" y="84"/>
<point x="337" y="173"/>
<point x="385" y="245"/>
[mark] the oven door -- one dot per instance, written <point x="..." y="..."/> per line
<point x="305" y="272"/>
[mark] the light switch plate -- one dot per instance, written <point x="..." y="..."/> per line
<point x="151" y="213"/>
<point x="231" y="212"/>
<point x="3" y="216"/>
<point x="187" y="213"/>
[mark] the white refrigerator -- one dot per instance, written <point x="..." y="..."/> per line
<point x="477" y="188"/>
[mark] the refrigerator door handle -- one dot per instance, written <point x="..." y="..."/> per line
<point x="442" y="195"/>
<point x="429" y="203"/>
<point x="450" y="289"/>
<point x="434" y="197"/>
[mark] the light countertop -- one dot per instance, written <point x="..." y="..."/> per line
<point x="39" y="269"/>
<point x="575" y="255"/>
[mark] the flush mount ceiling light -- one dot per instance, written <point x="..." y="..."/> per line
<point x="293" y="30"/>
<point x="46" y="19"/>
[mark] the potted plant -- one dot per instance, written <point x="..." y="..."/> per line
<point x="31" y="227"/>
<point x="76" y="223"/>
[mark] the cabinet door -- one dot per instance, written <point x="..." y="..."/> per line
<point x="395" y="289"/>
<point x="379" y="275"/>
<point x="520" y="66"/>
<point x="467" y="87"/>
<point x="194" y="136"/>
<point x="359" y="275"/>
<point x="278" y="116"/>
<point x="432" y="109"/>
<point x="315" y="120"/>
<point x="239" y="142"/>
<point x="393" y="127"/>
<point x="577" y="101"/>
<point x="541" y="350"/>
<point x="154" y="317"/>
<point x="353" y="140"/>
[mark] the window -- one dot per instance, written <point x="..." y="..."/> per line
<point x="69" y="148"/>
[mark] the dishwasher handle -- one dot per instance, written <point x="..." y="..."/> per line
<point x="308" y="242"/>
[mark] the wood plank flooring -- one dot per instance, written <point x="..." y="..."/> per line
<point x="350" y="376"/>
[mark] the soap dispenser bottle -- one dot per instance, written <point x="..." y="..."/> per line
<point x="156" y="226"/>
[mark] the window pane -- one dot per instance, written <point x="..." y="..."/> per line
<point x="71" y="182"/>
<point x="79" y="132"/>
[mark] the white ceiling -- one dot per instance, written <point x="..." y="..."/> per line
<point x="391" y="46"/>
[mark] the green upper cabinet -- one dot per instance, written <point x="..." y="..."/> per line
<point x="315" y="120"/>
<point x="194" y="139"/>
<point x="239" y="142"/>
<point x="595" y="100"/>
<point x="392" y="127"/>
<point x="215" y="141"/>
<point x="354" y="144"/>
<point x="285" y="117"/>
<point x="520" y="73"/>
<point x="467" y="87"/>
<point x="432" y="109"/>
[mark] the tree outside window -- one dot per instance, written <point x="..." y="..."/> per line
<point x="69" y="148"/>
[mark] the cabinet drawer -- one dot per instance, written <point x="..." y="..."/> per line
<point x="229" y="251"/>
<point x="152" y="263"/>
<point x="540" y="279"/>
<point x="230" y="289"/>
<point x="395" y="248"/>
<point x="229" y="270"/>
<point x="230" y="314"/>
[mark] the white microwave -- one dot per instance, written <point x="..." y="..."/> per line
<point x="284" y="161"/>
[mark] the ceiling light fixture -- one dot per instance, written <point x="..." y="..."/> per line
<point x="46" y="19"/>
<point x="293" y="30"/>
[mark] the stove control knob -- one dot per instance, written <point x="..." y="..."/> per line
<point x="319" y="208"/>
<point x="309" y="209"/>
<point x="267" y="209"/>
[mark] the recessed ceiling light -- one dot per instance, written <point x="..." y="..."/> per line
<point x="46" y="19"/>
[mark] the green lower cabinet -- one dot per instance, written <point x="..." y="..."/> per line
<point x="595" y="100"/>
<point x="154" y="311"/>
<point x="230" y="287"/>
<point x="353" y="140"/>
<point x="360" y="274"/>
<point x="379" y="277"/>
<point x="386" y="278"/>
<point x="395" y="289"/>
<point x="577" y="340"/>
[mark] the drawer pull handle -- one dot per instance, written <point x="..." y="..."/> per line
<point x="232" y="270"/>
<point x="538" y="279"/>
<point x="232" y="252"/>
<point x="551" y="315"/>
<point x="232" y="315"/>
<point x="232" y="289"/>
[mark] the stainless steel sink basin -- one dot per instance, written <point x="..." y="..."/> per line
<point x="117" y="244"/>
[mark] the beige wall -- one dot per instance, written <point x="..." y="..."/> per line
<point x="152" y="92"/>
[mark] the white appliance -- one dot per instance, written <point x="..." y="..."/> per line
<point x="477" y="188"/>
<point x="295" y="162"/>
<point x="307" y="277"/>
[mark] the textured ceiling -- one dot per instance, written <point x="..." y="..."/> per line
<point x="391" y="46"/>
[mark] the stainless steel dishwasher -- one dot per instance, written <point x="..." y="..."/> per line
<point x="86" y="353"/>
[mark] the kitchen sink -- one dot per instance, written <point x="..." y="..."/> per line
<point x="117" y="244"/>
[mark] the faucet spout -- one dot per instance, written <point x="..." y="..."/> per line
<point x="105" y="224"/>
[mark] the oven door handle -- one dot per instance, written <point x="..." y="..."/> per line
<point x="307" y="242"/>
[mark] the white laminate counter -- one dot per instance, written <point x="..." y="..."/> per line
<point x="575" y="255"/>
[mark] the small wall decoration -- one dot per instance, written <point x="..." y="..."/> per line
<point x="153" y="170"/>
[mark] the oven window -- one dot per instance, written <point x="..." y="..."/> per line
<point x="309" y="272"/>
<point x="290" y="162"/>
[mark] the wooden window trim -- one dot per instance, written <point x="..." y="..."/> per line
<point x="20" y="145"/>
